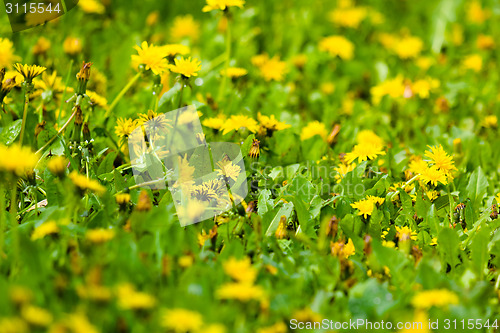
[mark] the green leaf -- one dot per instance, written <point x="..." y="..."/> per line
<point x="479" y="250"/>
<point x="476" y="189"/>
<point x="169" y="95"/>
<point x="448" y="245"/>
<point x="10" y="133"/>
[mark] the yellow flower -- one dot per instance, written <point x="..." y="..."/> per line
<point x="436" y="297"/>
<point x="422" y="88"/>
<point x="79" y="323"/>
<point x="405" y="234"/>
<point x="418" y="166"/>
<point x="348" y="17"/>
<point x="174" y="49"/>
<point x="368" y="136"/>
<point x="376" y="200"/>
<point x="342" y="170"/>
<point x="476" y="13"/>
<point x="131" y="299"/>
<point x="327" y="88"/>
<point x="222" y="4"/>
<point x="337" y="46"/>
<point x="91" y="6"/>
<point x="94" y="292"/>
<point x="270" y="123"/>
<point x="215" y="122"/>
<point x="84" y="183"/>
<point x="424" y="62"/>
<point x="237" y="122"/>
<point x="44" y="229"/>
<point x="363" y="152"/>
<point x="394" y="88"/>
<point x="441" y="159"/>
<point x="42" y="45"/>
<point x="474" y="62"/>
<point x="186" y="67"/>
<point x="185" y="26"/>
<point x="485" y="42"/>
<point x="490" y="121"/>
<point x="313" y="128"/>
<point x="365" y="207"/>
<point x="7" y="56"/>
<point x="186" y="261"/>
<point x="151" y="57"/>
<point x="339" y="249"/>
<point x="97" y="100"/>
<point x="234" y="72"/>
<point x="434" y="241"/>
<point x="240" y="291"/>
<point x="273" y="69"/>
<point x="29" y="72"/>
<point x="36" y="316"/>
<point x="181" y="320"/>
<point x="228" y="170"/>
<point x="122" y="198"/>
<point x="408" y="47"/>
<point x="51" y="83"/>
<point x="240" y="270"/>
<point x="72" y="46"/>
<point x="124" y="127"/>
<point x="17" y="160"/>
<point x="99" y="236"/>
<point x="434" y="176"/>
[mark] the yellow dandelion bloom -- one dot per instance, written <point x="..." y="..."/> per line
<point x="476" y="13"/>
<point x="350" y="17"/>
<point x="216" y="122"/>
<point x="313" y="128"/>
<point x="405" y="233"/>
<point x="124" y="127"/>
<point x="368" y="136"/>
<point x="185" y="27"/>
<point x="92" y="6"/>
<point x="408" y="47"/>
<point x="181" y="320"/>
<point x="186" y="67"/>
<point x="44" y="229"/>
<point x="99" y="236"/>
<point x="29" y="72"/>
<point x="270" y="123"/>
<point x="238" y="122"/>
<point x="337" y="46"/>
<point x="7" y="57"/>
<point x="363" y="152"/>
<point x="84" y="183"/>
<point x="436" y="297"/>
<point x="42" y="45"/>
<point x="240" y="291"/>
<point x="364" y="207"/>
<point x="151" y="57"/>
<point x="423" y="87"/>
<point x="234" y="72"/>
<point x="17" y="160"/>
<point x="394" y="88"/>
<point x="490" y="121"/>
<point x="485" y="42"/>
<point x="418" y="166"/>
<point x="222" y="4"/>
<point x="441" y="159"/>
<point x="36" y="316"/>
<point x="131" y="299"/>
<point x="273" y="69"/>
<point x="341" y="250"/>
<point x="72" y="46"/>
<point x="228" y="170"/>
<point x="240" y="270"/>
<point x="174" y="49"/>
<point x="473" y="62"/>
<point x="376" y="200"/>
<point x="434" y="176"/>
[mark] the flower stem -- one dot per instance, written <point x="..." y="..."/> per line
<point x="58" y="133"/>
<point x="63" y="98"/>
<point x="222" y="87"/>
<point x="121" y="94"/>
<point x="14" y="226"/>
<point x="2" y="222"/>
<point x="25" y="114"/>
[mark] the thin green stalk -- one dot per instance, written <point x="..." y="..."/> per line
<point x="121" y="94"/>
<point x="2" y="221"/>
<point x="14" y="226"/>
<point x="58" y="133"/>
<point x="25" y="114"/>
<point x="63" y="97"/>
<point x="222" y="88"/>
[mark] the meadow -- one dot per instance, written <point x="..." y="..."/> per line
<point x="367" y="132"/>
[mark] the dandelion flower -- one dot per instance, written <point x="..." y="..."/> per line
<point x="473" y="62"/>
<point x="240" y="291"/>
<point x="364" y="207"/>
<point x="131" y="299"/>
<point x="185" y="26"/>
<point x="408" y="47"/>
<point x="434" y="176"/>
<point x="72" y="46"/>
<point x="181" y="320"/>
<point x="436" y="297"/>
<point x="124" y="127"/>
<point x="29" y="72"/>
<point x="234" y="72"/>
<point x="186" y="67"/>
<point x="222" y="4"/>
<point x="238" y="122"/>
<point x="92" y="6"/>
<point x="337" y="46"/>
<point x="7" y="56"/>
<point x="99" y="236"/>
<point x="273" y="69"/>
<point x="363" y="152"/>
<point x="152" y="57"/>
<point x="313" y="128"/>
<point x="17" y="160"/>
<point x="240" y="270"/>
<point x="84" y="183"/>
<point x="44" y="229"/>
<point x="441" y="159"/>
<point x="171" y="50"/>
<point x="405" y="233"/>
